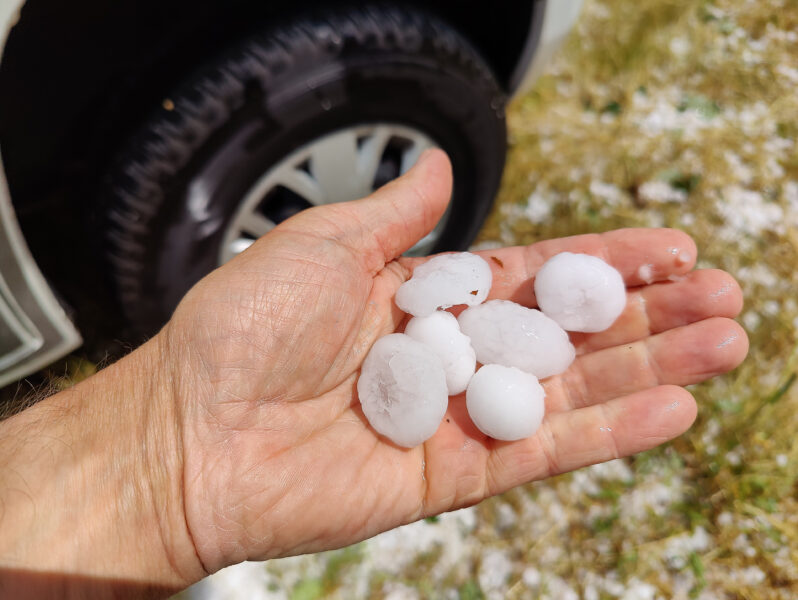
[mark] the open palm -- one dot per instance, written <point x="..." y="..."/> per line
<point x="278" y="457"/>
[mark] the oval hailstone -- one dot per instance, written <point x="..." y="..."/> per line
<point x="580" y="292"/>
<point x="402" y="388"/>
<point x="443" y="281"/>
<point x="505" y="403"/>
<point x="506" y="333"/>
<point x="441" y="333"/>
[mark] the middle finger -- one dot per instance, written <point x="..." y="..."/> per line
<point x="680" y="356"/>
<point x="656" y="308"/>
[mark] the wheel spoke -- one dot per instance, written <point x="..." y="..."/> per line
<point x="425" y="245"/>
<point x="301" y="183"/>
<point x="410" y="156"/>
<point x="340" y="169"/>
<point x="333" y="164"/>
<point x="239" y="245"/>
<point x="256" y="224"/>
<point x="371" y="152"/>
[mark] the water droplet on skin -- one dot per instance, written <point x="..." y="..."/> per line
<point x="672" y="406"/>
<point x="722" y="291"/>
<point x="607" y="429"/>
<point x="726" y="341"/>
<point x="646" y="273"/>
<point x="683" y="258"/>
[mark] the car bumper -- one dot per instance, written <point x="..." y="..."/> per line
<point x="552" y="20"/>
<point x="34" y="328"/>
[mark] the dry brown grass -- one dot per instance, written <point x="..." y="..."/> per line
<point x="585" y="142"/>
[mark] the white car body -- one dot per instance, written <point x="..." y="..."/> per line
<point x="37" y="329"/>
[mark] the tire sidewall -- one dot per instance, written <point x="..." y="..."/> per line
<point x="272" y="116"/>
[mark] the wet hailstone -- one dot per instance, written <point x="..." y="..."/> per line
<point x="505" y="403"/>
<point x="406" y="378"/>
<point x="443" y="281"/>
<point x="581" y="292"/>
<point x="506" y="333"/>
<point x="402" y="389"/>
<point x="441" y="334"/>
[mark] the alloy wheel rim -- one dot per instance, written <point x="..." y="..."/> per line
<point x="344" y="165"/>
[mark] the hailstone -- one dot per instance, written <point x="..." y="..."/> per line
<point x="580" y="292"/>
<point x="402" y="389"/>
<point x="512" y="335"/>
<point x="441" y="333"/>
<point x="443" y="281"/>
<point x="505" y="403"/>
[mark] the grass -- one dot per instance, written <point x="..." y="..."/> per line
<point x="55" y="378"/>
<point x="698" y="96"/>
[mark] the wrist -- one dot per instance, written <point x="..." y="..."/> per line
<point x="91" y="486"/>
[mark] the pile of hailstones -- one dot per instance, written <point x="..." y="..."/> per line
<point x="408" y="377"/>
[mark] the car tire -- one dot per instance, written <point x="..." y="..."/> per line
<point x="179" y="182"/>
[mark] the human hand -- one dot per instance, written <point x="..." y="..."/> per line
<point x="276" y="457"/>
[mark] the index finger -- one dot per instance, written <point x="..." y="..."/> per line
<point x="642" y="256"/>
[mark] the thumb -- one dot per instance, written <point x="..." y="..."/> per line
<point x="392" y="219"/>
<point x="402" y="212"/>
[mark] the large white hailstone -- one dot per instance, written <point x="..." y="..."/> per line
<point x="441" y="333"/>
<point x="580" y="292"/>
<point x="443" y="281"/>
<point x="505" y="403"/>
<point x="512" y="335"/>
<point x="402" y="389"/>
